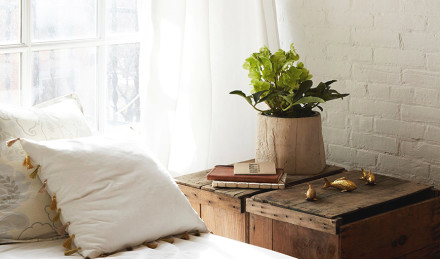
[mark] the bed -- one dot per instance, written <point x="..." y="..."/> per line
<point x="205" y="246"/>
<point x="88" y="196"/>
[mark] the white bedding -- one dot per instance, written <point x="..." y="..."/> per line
<point x="207" y="246"/>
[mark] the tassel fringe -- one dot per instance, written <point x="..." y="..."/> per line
<point x="72" y="251"/>
<point x="43" y="187"/>
<point x="68" y="243"/>
<point x="57" y="217"/>
<point x="11" y="141"/>
<point x="167" y="239"/>
<point x="53" y="204"/>
<point x="185" y="236"/>
<point x="28" y="163"/>
<point x="62" y="230"/>
<point x="151" y="245"/>
<point x="33" y="175"/>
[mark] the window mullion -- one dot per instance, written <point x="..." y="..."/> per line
<point x="26" y="55"/>
<point x="101" y="68"/>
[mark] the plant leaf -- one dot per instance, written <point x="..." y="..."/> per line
<point x="257" y="95"/>
<point x="330" y="82"/>
<point x="278" y="59"/>
<point x="260" y="86"/>
<point x="303" y="87"/>
<point x="309" y="99"/>
<point x="238" y="92"/>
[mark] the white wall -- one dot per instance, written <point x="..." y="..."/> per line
<point x="386" y="54"/>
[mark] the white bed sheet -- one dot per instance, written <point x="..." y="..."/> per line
<point x="207" y="246"/>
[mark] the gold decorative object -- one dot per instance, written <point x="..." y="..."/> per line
<point x="342" y="184"/>
<point x="311" y="194"/>
<point x="369" y="177"/>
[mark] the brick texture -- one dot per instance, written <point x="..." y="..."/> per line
<point x="386" y="54"/>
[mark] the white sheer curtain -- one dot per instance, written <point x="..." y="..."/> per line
<point x="196" y="52"/>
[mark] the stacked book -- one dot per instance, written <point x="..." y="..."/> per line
<point x="248" y="175"/>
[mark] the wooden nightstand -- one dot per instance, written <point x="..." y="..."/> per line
<point x="224" y="209"/>
<point x="393" y="219"/>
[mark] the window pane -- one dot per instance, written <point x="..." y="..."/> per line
<point x="10" y="78"/>
<point x="123" y="84"/>
<point x="63" y="19"/>
<point x="10" y="20"/>
<point x="60" y="72"/>
<point x="122" y="16"/>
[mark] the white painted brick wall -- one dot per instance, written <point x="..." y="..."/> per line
<point x="386" y="54"/>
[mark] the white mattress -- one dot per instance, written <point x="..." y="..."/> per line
<point x="207" y="246"/>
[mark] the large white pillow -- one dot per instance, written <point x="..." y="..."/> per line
<point x="24" y="213"/>
<point x="112" y="192"/>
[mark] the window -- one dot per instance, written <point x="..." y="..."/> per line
<point x="50" y="48"/>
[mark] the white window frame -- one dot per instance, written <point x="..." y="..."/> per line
<point x="101" y="43"/>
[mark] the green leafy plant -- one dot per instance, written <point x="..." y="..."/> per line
<point x="284" y="84"/>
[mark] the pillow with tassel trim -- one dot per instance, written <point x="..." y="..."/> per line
<point x="24" y="213"/>
<point x="109" y="194"/>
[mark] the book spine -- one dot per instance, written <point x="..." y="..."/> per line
<point x="244" y="185"/>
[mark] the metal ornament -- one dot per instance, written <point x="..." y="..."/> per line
<point x="342" y="184"/>
<point x="369" y="177"/>
<point x="311" y="194"/>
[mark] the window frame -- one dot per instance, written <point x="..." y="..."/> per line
<point x="101" y="42"/>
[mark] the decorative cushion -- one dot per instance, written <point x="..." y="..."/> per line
<point x="110" y="193"/>
<point x="24" y="214"/>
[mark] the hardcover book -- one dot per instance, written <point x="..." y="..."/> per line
<point x="250" y="185"/>
<point x="226" y="173"/>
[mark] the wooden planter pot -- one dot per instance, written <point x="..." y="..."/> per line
<point x="294" y="144"/>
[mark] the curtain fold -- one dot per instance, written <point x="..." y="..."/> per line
<point x="196" y="50"/>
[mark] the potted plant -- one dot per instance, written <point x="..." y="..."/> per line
<point x="289" y="129"/>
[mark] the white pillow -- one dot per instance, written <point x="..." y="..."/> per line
<point x="24" y="213"/>
<point x="113" y="193"/>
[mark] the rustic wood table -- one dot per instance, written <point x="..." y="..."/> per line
<point x="394" y="218"/>
<point x="224" y="209"/>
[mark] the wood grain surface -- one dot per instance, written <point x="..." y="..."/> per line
<point x="260" y="231"/>
<point x="303" y="242"/>
<point x="394" y="233"/>
<point x="333" y="203"/>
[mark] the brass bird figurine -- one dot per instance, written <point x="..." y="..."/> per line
<point x="369" y="177"/>
<point x="311" y="194"/>
<point x="342" y="184"/>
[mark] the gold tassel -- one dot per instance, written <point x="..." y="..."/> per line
<point x="28" y="163"/>
<point x="57" y="217"/>
<point x="151" y="245"/>
<point x="62" y="230"/>
<point x="11" y="141"/>
<point x="72" y="251"/>
<point x="53" y="204"/>
<point x="167" y="239"/>
<point x="68" y="243"/>
<point x="185" y="236"/>
<point x="43" y="188"/>
<point x="33" y="175"/>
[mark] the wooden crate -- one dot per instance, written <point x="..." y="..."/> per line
<point x="224" y="209"/>
<point x="395" y="218"/>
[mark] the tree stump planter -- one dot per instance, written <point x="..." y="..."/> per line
<point x="294" y="144"/>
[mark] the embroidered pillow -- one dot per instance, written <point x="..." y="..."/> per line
<point x="25" y="214"/>
<point x="110" y="194"/>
